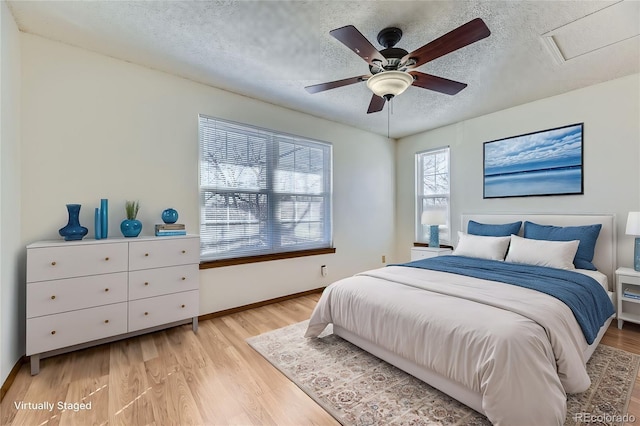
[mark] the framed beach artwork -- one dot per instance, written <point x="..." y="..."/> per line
<point x="548" y="162"/>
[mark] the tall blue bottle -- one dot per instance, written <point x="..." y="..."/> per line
<point x="104" y="217"/>
<point x="98" y="224"/>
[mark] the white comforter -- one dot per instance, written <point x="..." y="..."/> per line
<point x="519" y="348"/>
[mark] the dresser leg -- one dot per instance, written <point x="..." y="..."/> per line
<point x="35" y="364"/>
<point x="194" y="325"/>
<point x="620" y="323"/>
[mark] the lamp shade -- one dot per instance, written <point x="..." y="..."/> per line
<point x="433" y="217"/>
<point x="388" y="84"/>
<point x="633" y="223"/>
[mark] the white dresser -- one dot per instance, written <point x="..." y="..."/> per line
<point x="82" y="293"/>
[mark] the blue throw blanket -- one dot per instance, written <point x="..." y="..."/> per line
<point x="587" y="299"/>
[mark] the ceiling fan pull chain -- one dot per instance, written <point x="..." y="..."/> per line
<point x="388" y="119"/>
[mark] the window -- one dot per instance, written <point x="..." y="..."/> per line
<point x="432" y="190"/>
<point x="261" y="192"/>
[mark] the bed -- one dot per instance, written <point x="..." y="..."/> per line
<point x="511" y="353"/>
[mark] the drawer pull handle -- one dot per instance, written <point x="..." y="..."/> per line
<point x="146" y="313"/>
<point x="106" y="321"/>
<point x="106" y="289"/>
<point x="146" y="283"/>
<point x="53" y="297"/>
<point x="184" y="278"/>
<point x="53" y="332"/>
<point x="53" y="263"/>
<point x="183" y="306"/>
<point x="146" y="255"/>
<point x="106" y="258"/>
<point x="184" y="251"/>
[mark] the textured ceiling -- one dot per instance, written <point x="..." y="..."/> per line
<point x="271" y="50"/>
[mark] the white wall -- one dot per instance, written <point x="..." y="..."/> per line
<point x="95" y="127"/>
<point x="11" y="250"/>
<point x="611" y="115"/>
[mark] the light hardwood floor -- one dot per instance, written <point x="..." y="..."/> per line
<point x="176" y="377"/>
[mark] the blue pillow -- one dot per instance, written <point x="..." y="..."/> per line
<point x="587" y="235"/>
<point x="488" y="230"/>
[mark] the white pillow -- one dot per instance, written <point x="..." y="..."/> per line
<point x="493" y="248"/>
<point x="553" y="254"/>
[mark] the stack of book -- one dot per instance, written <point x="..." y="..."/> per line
<point x="631" y="293"/>
<point x="168" y="229"/>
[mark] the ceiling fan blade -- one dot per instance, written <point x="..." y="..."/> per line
<point x="333" y="84"/>
<point x="438" y="84"/>
<point x="354" y="40"/>
<point x="376" y="104"/>
<point x="462" y="36"/>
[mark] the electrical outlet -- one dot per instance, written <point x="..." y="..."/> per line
<point x="384" y="259"/>
<point x="323" y="270"/>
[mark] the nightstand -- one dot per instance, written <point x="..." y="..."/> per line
<point x="418" y="253"/>
<point x="628" y="280"/>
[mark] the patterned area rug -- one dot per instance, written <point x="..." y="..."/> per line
<point x="359" y="389"/>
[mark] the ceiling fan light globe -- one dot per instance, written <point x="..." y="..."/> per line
<point x="389" y="83"/>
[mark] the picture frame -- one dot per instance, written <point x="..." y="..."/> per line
<point x="546" y="162"/>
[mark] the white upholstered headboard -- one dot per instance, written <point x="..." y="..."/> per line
<point x="605" y="253"/>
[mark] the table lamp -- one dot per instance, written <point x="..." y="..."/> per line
<point x="434" y="218"/>
<point x="633" y="228"/>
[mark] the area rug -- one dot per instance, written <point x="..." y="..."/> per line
<point x="357" y="388"/>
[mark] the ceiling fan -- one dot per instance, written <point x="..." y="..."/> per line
<point x="392" y="69"/>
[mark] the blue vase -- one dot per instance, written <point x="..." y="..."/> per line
<point x="131" y="227"/>
<point x="73" y="231"/>
<point x="169" y="216"/>
<point x="98" y="225"/>
<point x="104" y="217"/>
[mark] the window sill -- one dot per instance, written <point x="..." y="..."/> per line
<point x="207" y="264"/>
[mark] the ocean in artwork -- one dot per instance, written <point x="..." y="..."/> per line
<point x="537" y="182"/>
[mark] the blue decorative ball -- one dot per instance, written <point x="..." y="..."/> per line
<point x="169" y="216"/>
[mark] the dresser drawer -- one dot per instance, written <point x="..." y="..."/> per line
<point x="146" y="313"/>
<point x="50" y="263"/>
<point x="71" y="328"/>
<point x="70" y="294"/>
<point x="628" y="279"/>
<point x="159" y="281"/>
<point x="164" y="251"/>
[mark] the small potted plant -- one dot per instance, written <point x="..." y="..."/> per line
<point x="131" y="227"/>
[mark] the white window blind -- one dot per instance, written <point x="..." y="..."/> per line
<point x="432" y="190"/>
<point x="261" y="191"/>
